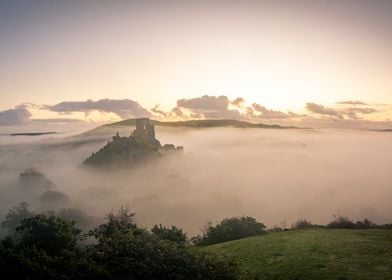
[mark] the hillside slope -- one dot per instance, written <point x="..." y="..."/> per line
<point x="201" y="123"/>
<point x="314" y="254"/>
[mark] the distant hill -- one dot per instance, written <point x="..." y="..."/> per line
<point x="110" y="129"/>
<point x="131" y="150"/>
<point x="314" y="254"/>
<point x="201" y="124"/>
<point x="32" y="133"/>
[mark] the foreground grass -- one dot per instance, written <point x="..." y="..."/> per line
<point x="314" y="254"/>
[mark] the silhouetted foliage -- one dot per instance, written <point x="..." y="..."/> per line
<point x="174" y="233"/>
<point x="230" y="229"/>
<point x="302" y="224"/>
<point x="16" y="215"/>
<point x="33" y="179"/>
<point x="341" y="222"/>
<point x="50" y="233"/>
<point x="365" y="224"/>
<point x="48" y="249"/>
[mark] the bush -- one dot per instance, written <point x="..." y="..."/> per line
<point x="341" y="222"/>
<point x="230" y="229"/>
<point x="48" y="249"/>
<point x="15" y="216"/>
<point x="172" y="234"/>
<point x="302" y="224"/>
<point x="50" y="233"/>
<point x="365" y="224"/>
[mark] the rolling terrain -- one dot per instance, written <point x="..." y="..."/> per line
<point x="314" y="254"/>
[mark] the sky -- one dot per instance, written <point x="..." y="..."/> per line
<point x="278" y="61"/>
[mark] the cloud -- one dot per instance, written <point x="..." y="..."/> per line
<point x="178" y="112"/>
<point x="209" y="107"/>
<point x="238" y="101"/>
<point x="17" y="116"/>
<point x="345" y="113"/>
<point x="268" y="113"/>
<point x="353" y="112"/>
<point x="57" y="121"/>
<point x="218" y="107"/>
<point x="350" y="102"/>
<point x="159" y="112"/>
<point x="322" y="110"/>
<point x="124" y="108"/>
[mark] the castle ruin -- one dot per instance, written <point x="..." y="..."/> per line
<point x="136" y="148"/>
<point x="145" y="132"/>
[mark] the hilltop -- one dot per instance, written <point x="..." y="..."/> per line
<point x="202" y="123"/>
<point x="314" y="254"/>
<point x="136" y="148"/>
<point x="108" y="129"/>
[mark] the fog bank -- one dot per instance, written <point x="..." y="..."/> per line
<point x="275" y="175"/>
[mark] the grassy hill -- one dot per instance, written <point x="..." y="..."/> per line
<point x="314" y="254"/>
<point x="110" y="129"/>
<point x="201" y="123"/>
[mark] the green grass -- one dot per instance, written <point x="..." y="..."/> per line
<point x="314" y="254"/>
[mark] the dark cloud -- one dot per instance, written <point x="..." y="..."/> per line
<point x="206" y="102"/>
<point x="238" y="101"/>
<point x="124" y="108"/>
<point x="364" y="110"/>
<point x="178" y="112"/>
<point x="353" y="112"/>
<point x="342" y="113"/>
<point x="17" y="116"/>
<point x="209" y="107"/>
<point x="159" y="112"/>
<point x="268" y="113"/>
<point x="218" y="107"/>
<point x="322" y="110"/>
<point x="350" y="102"/>
<point x="57" y="121"/>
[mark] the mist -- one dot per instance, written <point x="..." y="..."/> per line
<point x="274" y="175"/>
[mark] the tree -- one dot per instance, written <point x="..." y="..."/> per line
<point x="230" y="229"/>
<point x="365" y="224"/>
<point x="16" y="215"/>
<point x="128" y="252"/>
<point x="117" y="225"/>
<point x="50" y="233"/>
<point x="301" y="224"/>
<point x="341" y="222"/>
<point x="174" y="233"/>
<point x="48" y="249"/>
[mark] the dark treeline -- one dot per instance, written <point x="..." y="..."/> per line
<point x="46" y="246"/>
<point x="68" y="244"/>
<point x="341" y="222"/>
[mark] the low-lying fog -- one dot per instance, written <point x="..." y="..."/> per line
<point x="274" y="175"/>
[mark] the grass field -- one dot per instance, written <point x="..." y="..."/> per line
<point x="314" y="254"/>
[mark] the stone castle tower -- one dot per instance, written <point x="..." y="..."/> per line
<point x="145" y="131"/>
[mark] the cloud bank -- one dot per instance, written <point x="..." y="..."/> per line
<point x="209" y="107"/>
<point x="350" y="114"/>
<point x="124" y="108"/>
<point x="17" y="116"/>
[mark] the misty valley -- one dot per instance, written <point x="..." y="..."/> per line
<point x="225" y="182"/>
<point x="275" y="175"/>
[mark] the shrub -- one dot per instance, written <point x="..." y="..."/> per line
<point x="230" y="229"/>
<point x="365" y="224"/>
<point x="172" y="234"/>
<point x="15" y="216"/>
<point x="302" y="224"/>
<point x="341" y="222"/>
<point x="48" y="249"/>
<point x="50" y="233"/>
